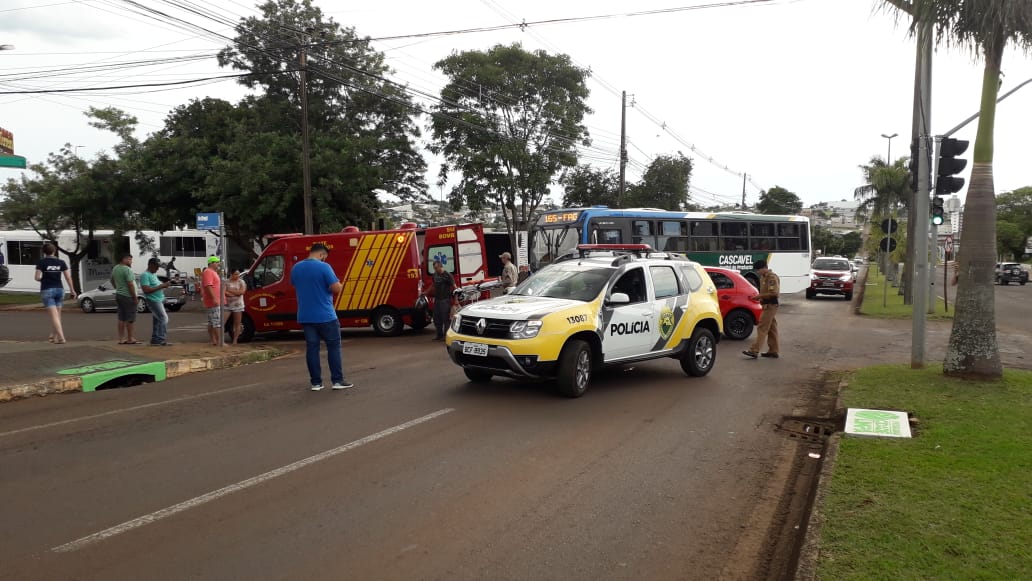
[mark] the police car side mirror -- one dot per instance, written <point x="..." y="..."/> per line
<point x="619" y="299"/>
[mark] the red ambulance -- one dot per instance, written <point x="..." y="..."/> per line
<point x="384" y="273"/>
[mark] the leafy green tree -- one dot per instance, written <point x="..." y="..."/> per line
<point x="1010" y="239"/>
<point x="985" y="27"/>
<point x="587" y="186"/>
<point x="664" y="184"/>
<point x="778" y="200"/>
<point x="509" y="122"/>
<point x="56" y="196"/>
<point x="1016" y="207"/>
<point x="363" y="133"/>
<point x="886" y="192"/>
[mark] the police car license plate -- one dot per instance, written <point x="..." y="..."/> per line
<point x="478" y="349"/>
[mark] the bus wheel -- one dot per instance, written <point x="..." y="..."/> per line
<point x="387" y="322"/>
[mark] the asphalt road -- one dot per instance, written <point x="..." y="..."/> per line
<point x="415" y="473"/>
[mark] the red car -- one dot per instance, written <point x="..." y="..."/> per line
<point x="741" y="313"/>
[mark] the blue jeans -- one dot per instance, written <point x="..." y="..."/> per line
<point x="328" y="332"/>
<point x="159" y="334"/>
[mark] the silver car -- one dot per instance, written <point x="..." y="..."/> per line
<point x="102" y="298"/>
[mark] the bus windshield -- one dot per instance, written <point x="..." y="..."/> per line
<point x="549" y="243"/>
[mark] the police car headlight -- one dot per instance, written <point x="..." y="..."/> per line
<point x="524" y="329"/>
<point x="456" y="323"/>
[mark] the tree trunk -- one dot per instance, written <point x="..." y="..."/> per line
<point x="973" y="351"/>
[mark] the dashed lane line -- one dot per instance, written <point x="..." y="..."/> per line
<point x="242" y="485"/>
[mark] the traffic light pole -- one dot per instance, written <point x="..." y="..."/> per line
<point x="923" y="112"/>
<point x="934" y="237"/>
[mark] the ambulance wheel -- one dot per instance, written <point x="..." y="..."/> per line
<point x="698" y="360"/>
<point x="387" y="322"/>
<point x="477" y="375"/>
<point x="575" y="366"/>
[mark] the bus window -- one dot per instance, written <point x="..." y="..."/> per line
<point x="791" y="236"/>
<point x="606" y="236"/>
<point x="704" y="237"/>
<point x="734" y="236"/>
<point x="642" y="233"/>
<point x="761" y="236"/>
<point x="673" y="236"/>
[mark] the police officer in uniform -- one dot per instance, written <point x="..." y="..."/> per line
<point x="770" y="289"/>
<point x="443" y="287"/>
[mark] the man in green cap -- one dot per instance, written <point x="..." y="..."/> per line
<point x="211" y="294"/>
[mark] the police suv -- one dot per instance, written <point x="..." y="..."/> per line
<point x="606" y="304"/>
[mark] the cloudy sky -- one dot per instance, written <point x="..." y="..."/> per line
<point x="795" y="93"/>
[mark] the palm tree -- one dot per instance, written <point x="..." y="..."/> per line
<point x="887" y="186"/>
<point x="984" y="27"/>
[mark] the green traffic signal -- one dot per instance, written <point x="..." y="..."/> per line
<point x="937" y="211"/>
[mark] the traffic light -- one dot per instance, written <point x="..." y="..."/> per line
<point x="914" y="152"/>
<point x="937" y="217"/>
<point x="946" y="182"/>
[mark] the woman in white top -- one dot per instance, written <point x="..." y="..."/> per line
<point x="235" y="289"/>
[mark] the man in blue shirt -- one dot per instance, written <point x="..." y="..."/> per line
<point x="154" y="294"/>
<point x="315" y="285"/>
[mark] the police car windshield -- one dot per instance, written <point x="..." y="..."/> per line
<point x="558" y="282"/>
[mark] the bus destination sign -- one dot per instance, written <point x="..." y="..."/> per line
<point x="562" y="217"/>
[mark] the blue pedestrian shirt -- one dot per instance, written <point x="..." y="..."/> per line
<point x="312" y="280"/>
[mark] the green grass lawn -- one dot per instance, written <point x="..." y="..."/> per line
<point x="954" y="502"/>
<point x="893" y="301"/>
<point x="19" y="298"/>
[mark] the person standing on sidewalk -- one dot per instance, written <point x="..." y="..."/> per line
<point x="49" y="271"/>
<point x="124" y="281"/>
<point x="443" y="286"/>
<point x="510" y="275"/>
<point x="211" y="295"/>
<point x="154" y="294"/>
<point x="235" y="290"/>
<point x="315" y="285"/>
<point x="767" y="330"/>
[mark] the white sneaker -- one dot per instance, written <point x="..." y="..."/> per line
<point x="316" y="387"/>
<point x="343" y="385"/>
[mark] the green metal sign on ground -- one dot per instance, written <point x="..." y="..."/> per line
<point x="889" y="424"/>
<point x="15" y="161"/>
<point x="98" y="374"/>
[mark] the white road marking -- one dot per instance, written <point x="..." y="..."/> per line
<point x="121" y="411"/>
<point x="243" y="484"/>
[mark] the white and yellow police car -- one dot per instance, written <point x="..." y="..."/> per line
<point x="606" y="304"/>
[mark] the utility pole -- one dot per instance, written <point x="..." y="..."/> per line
<point x="919" y="216"/>
<point x="623" y="149"/>
<point x="306" y="170"/>
<point x="744" y="177"/>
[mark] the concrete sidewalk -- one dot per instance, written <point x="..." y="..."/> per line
<point x="36" y="368"/>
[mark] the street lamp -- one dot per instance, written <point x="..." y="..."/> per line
<point x="888" y="155"/>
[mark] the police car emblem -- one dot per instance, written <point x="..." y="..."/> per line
<point x="481" y="326"/>
<point x="666" y="322"/>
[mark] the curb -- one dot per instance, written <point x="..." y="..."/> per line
<point x="173" y="368"/>
<point x="810" y="548"/>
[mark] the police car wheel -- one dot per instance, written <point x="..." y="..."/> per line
<point x="698" y="360"/>
<point x="478" y="375"/>
<point x="738" y="325"/>
<point x="575" y="366"/>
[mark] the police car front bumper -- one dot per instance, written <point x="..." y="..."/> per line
<point x="501" y="361"/>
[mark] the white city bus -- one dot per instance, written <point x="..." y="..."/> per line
<point x="732" y="240"/>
